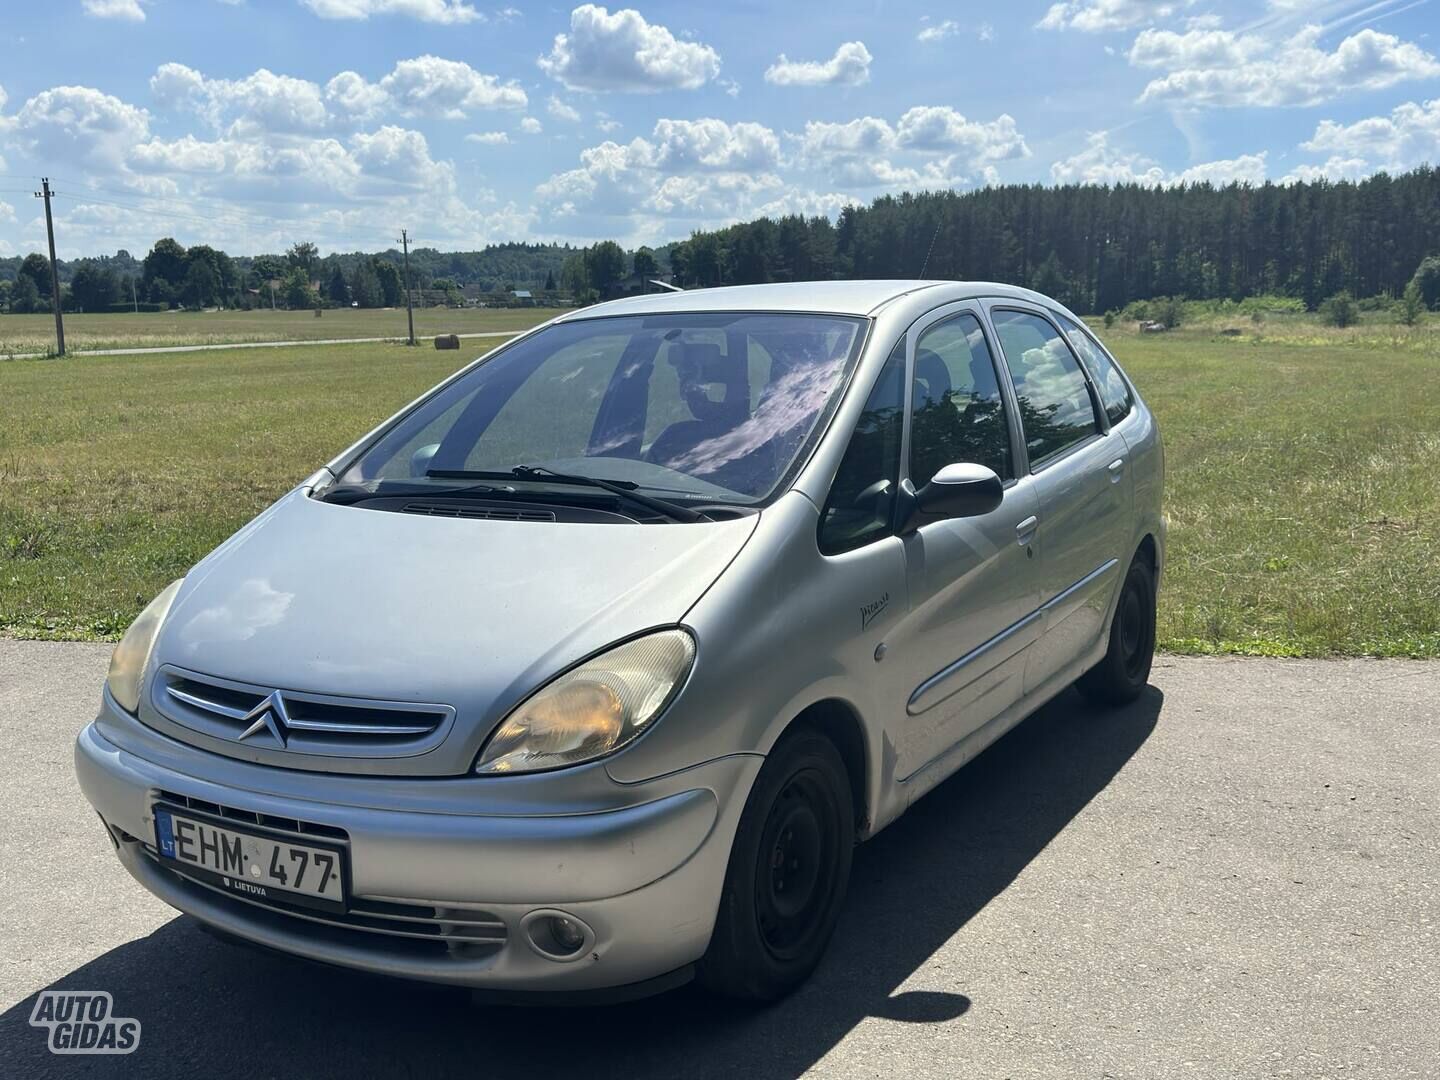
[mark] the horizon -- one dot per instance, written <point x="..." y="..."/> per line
<point x="250" y="124"/>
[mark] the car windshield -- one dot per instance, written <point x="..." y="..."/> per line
<point x="713" y="407"/>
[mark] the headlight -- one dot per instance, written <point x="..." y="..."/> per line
<point x="592" y="709"/>
<point x="127" y="662"/>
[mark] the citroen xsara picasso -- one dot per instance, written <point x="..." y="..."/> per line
<point x="586" y="671"/>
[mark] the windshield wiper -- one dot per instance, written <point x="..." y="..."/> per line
<point x="624" y="489"/>
<point x="350" y="494"/>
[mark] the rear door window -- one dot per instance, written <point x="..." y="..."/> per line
<point x="1056" y="410"/>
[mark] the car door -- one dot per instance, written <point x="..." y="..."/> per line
<point x="959" y="651"/>
<point x="1079" y="469"/>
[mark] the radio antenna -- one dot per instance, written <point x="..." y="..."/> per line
<point x="939" y="218"/>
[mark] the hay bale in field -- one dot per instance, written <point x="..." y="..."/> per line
<point x="447" y="341"/>
<point x="1153" y="328"/>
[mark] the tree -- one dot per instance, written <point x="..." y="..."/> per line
<point x="222" y="272"/>
<point x="574" y="276"/>
<point x="37" y="269"/>
<point x="338" y="291"/>
<point x="201" y="285"/>
<point x="549" y="280"/>
<point x="1412" y="304"/>
<point x="646" y="266"/>
<point x="365" y="285"/>
<point x="1427" y="281"/>
<point x="392" y="289"/>
<point x="93" y="286"/>
<point x="303" y="256"/>
<point x="298" y="293"/>
<point x="24" y="297"/>
<point x="1340" y="310"/>
<point x="605" y="266"/>
<point x="166" y="262"/>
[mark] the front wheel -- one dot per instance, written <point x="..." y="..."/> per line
<point x="1120" y="677"/>
<point x="789" y="866"/>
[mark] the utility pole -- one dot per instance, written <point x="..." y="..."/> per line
<point x="134" y="296"/>
<point x="409" y="306"/>
<point x="44" y="193"/>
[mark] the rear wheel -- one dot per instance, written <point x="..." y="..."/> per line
<point x="789" y="866"/>
<point x="1122" y="674"/>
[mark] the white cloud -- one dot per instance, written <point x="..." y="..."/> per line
<point x="1409" y="136"/>
<point x="434" y="11"/>
<point x="949" y="28"/>
<point x="115" y="9"/>
<point x="941" y="128"/>
<point x="7" y="212"/>
<point x="488" y="138"/>
<point x="351" y="99"/>
<point x="265" y="101"/>
<point x="1228" y="68"/>
<point x="850" y="66"/>
<point x="1095" y="16"/>
<point x="561" y="111"/>
<point x="449" y="88"/>
<point x="78" y="125"/>
<point x="687" y="171"/>
<point x="530" y="126"/>
<point x="1334" y="169"/>
<point x="623" y="52"/>
<point x="858" y="153"/>
<point x="1101" y="163"/>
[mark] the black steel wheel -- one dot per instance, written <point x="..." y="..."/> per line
<point x="1121" y="675"/>
<point x="785" y="884"/>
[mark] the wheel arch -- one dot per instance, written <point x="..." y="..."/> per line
<point x="839" y="722"/>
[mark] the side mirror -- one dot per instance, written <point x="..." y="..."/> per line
<point x="420" y="460"/>
<point x="956" y="491"/>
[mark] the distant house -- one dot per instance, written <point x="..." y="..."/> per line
<point x="523" y="297"/>
<point x="635" y="285"/>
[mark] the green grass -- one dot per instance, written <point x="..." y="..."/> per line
<point x="1304" y="475"/>
<point x="36" y="333"/>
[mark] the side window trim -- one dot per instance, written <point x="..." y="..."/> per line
<point x="1104" y="350"/>
<point x="913" y="334"/>
<point x="1097" y="410"/>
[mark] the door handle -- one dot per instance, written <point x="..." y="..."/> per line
<point x="1025" y="531"/>
<point x="1116" y="469"/>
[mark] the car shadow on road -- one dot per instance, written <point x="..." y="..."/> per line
<point x="209" y="1009"/>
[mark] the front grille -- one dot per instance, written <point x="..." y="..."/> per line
<point x="297" y="720"/>
<point x="487" y="513"/>
<point x="425" y="928"/>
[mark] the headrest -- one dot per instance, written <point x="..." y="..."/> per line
<point x="932" y="378"/>
<point x="700" y="365"/>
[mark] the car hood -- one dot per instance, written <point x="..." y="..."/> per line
<point x="324" y="599"/>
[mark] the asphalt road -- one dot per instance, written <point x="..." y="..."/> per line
<point x="145" y="350"/>
<point x="1238" y="876"/>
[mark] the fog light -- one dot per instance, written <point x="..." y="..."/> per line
<point x="567" y="932"/>
<point x="557" y="935"/>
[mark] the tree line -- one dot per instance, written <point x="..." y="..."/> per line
<point x="1100" y="248"/>
<point x="1095" y="248"/>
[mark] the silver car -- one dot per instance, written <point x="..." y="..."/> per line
<point x="584" y="673"/>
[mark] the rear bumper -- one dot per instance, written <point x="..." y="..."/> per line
<point x="645" y="877"/>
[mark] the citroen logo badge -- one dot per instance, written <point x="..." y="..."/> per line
<point x="269" y="715"/>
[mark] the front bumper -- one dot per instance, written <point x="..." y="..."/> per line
<point x="441" y="893"/>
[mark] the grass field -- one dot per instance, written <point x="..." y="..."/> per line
<point x="1304" y="475"/>
<point x="36" y="333"/>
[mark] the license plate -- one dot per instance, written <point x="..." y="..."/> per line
<point x="250" y="863"/>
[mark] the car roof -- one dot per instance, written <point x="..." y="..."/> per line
<point x="833" y="297"/>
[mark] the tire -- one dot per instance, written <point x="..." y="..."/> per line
<point x="1121" y="676"/>
<point x="789" y="866"/>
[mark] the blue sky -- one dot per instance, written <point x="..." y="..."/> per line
<point x="250" y="124"/>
